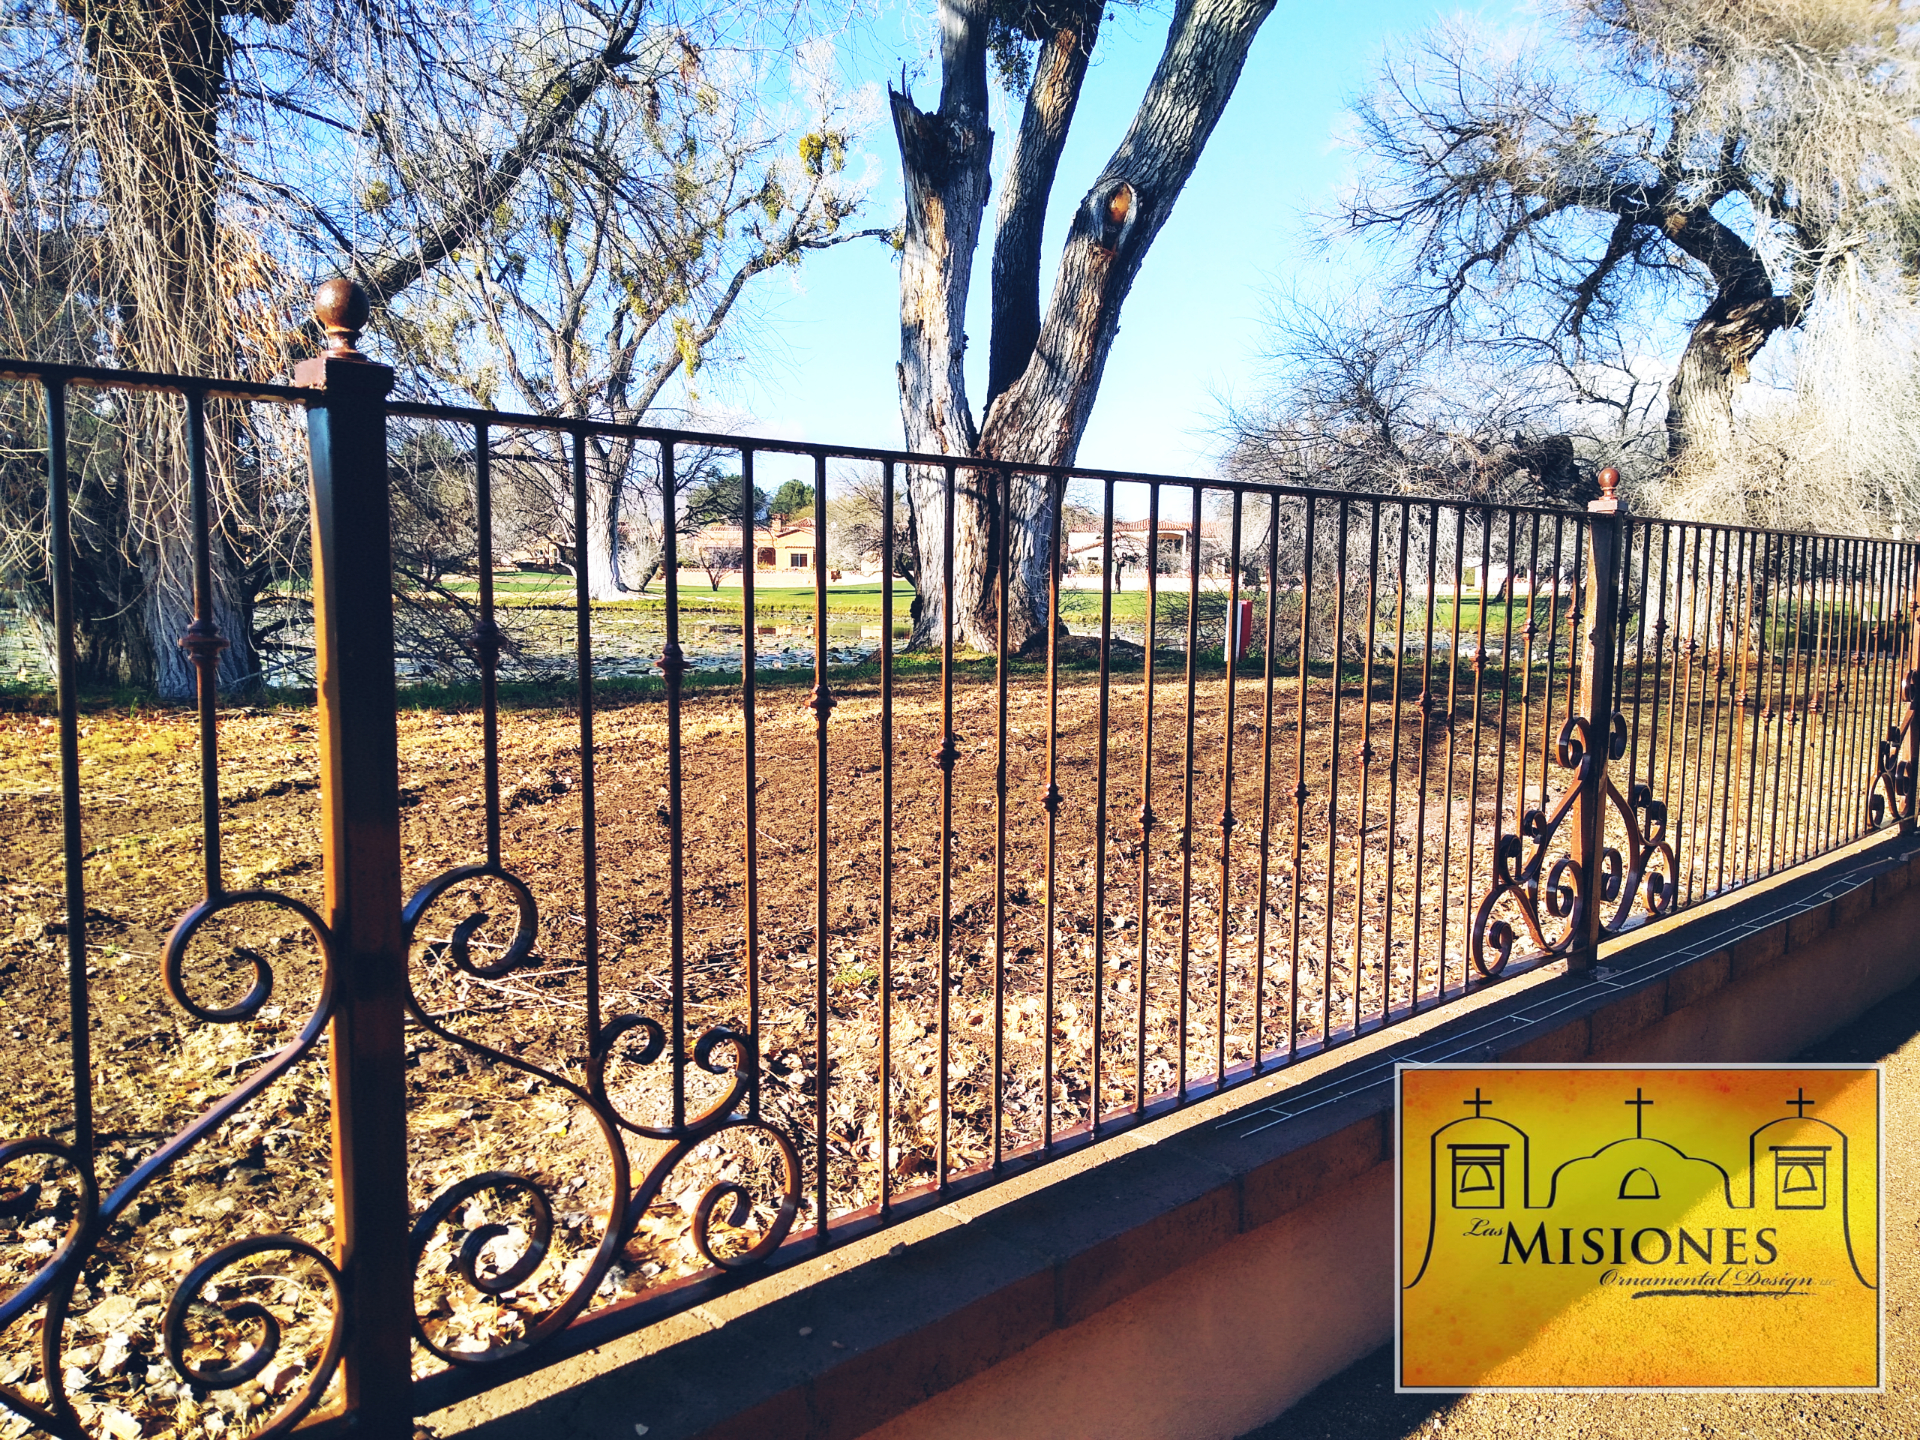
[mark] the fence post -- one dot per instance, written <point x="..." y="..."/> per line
<point x="1606" y="520"/>
<point x="1908" y="771"/>
<point x="360" y="825"/>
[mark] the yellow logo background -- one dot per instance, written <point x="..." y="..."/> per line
<point x="1570" y="1226"/>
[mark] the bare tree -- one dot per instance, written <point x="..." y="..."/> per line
<point x="1044" y="365"/>
<point x="615" y="269"/>
<point x="1554" y="201"/>
<point x="1355" y="401"/>
<point x="194" y="160"/>
<point x="719" y="561"/>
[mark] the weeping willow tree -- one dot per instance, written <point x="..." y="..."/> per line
<point x="175" y="175"/>
<point x="1680" y="183"/>
<point x="1832" y="441"/>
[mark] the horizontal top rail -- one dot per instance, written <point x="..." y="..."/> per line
<point x="13" y="368"/>
<point x="104" y="376"/>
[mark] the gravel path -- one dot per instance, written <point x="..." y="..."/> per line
<point x="1359" y="1404"/>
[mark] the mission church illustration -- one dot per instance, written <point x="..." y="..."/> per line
<point x="1637" y="1201"/>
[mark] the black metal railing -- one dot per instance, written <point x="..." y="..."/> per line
<point x="733" y="969"/>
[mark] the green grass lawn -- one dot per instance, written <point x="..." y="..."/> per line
<point x="696" y="594"/>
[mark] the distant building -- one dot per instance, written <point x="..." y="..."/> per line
<point x="782" y="545"/>
<point x="1084" y="547"/>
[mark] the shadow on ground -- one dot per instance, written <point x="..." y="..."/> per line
<point x="1360" y="1403"/>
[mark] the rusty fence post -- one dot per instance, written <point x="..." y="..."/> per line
<point x="1908" y="769"/>
<point x="360" y="824"/>
<point x="1607" y="520"/>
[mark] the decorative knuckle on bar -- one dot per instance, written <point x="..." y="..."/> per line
<point x="946" y="754"/>
<point x="203" y="642"/>
<point x="673" y="662"/>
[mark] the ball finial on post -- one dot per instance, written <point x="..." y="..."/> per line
<point x="1609" y="482"/>
<point x="342" y="308"/>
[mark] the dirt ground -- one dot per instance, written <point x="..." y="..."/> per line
<point x="1376" y="851"/>
<point x="1359" y="1403"/>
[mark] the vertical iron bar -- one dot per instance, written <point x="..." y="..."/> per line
<point x="1606" y="518"/>
<point x="946" y="757"/>
<point x="1645" y="536"/>
<point x="1881" y="680"/>
<point x="1393" y="762"/>
<point x="1446" y="804"/>
<point x="1768" y="595"/>
<point x="60" y="558"/>
<point x="1854" y="680"/>
<point x="1003" y="521"/>
<point x="1300" y="790"/>
<point x="1479" y="695"/>
<point x="487" y="640"/>
<point x="1366" y="775"/>
<point x="1819" y="679"/>
<point x="1266" y="787"/>
<point x="1736" y="716"/>
<point x="1527" y="632"/>
<point x="1187" y="780"/>
<point x="1333" y="775"/>
<point x="1909" y="755"/>
<point x="1789" y="695"/>
<point x="1425" y="703"/>
<point x="203" y="641"/>
<point x="1506" y="679"/>
<point x="1146" y="795"/>
<point x="1100" y="810"/>
<point x="886" y="841"/>
<point x="750" y="782"/>
<point x="1659" y="663"/>
<point x="1050" y="801"/>
<point x="1693" y="777"/>
<point x="589" y="841"/>
<point x="821" y="704"/>
<point x="673" y="666"/>
<point x="1229" y="650"/>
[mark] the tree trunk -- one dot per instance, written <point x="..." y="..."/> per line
<point x="1721" y="347"/>
<point x="602" y="548"/>
<point x="944" y="158"/>
<point x="1744" y="314"/>
<point x="1044" y="370"/>
<point x="158" y="73"/>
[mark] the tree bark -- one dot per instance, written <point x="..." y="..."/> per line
<point x="158" y="72"/>
<point x="1045" y="369"/>
<point x="1743" y="316"/>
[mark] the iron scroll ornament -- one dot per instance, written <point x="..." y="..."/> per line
<point x="1892" y="788"/>
<point x="1646" y="872"/>
<point x="628" y="1201"/>
<point x="54" y="1283"/>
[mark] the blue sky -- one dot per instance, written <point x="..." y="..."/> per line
<point x="1191" y="330"/>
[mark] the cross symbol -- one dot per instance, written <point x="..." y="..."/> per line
<point x="1476" y="1102"/>
<point x="1639" y="1103"/>
<point x="1800" y="1101"/>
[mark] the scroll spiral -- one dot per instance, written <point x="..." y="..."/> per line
<point x="1647" y="871"/>
<point x="1892" y="789"/>
<point x="53" y="1284"/>
<point x="628" y="1201"/>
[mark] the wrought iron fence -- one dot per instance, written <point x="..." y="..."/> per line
<point x="733" y="970"/>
